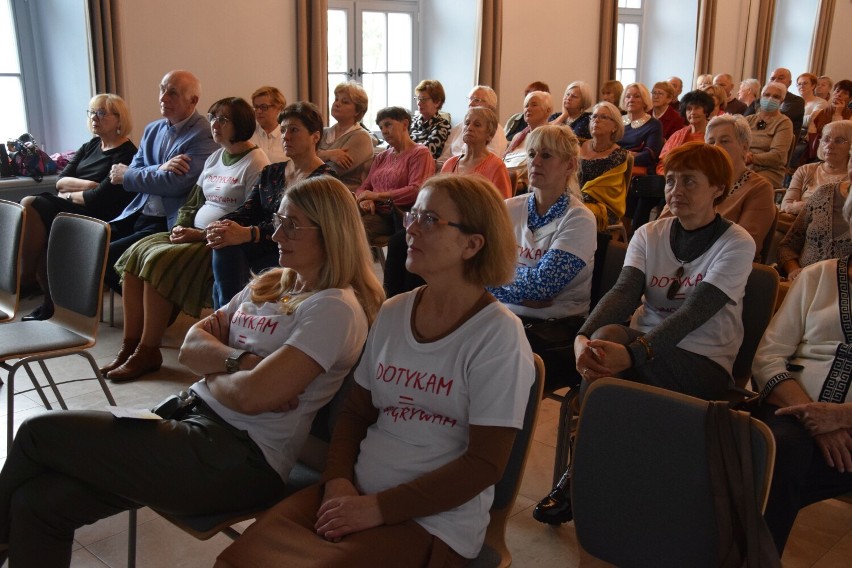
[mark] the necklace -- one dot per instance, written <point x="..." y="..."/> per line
<point x="291" y="300"/>
<point x="635" y="123"/>
<point x="743" y="178"/>
<point x="595" y="150"/>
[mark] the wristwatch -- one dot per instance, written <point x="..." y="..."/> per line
<point x="232" y="363"/>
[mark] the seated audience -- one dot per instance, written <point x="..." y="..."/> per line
<point x="771" y="136"/>
<point x="169" y="271"/>
<point x="687" y="276"/>
<point x="643" y="138"/>
<point x="242" y="240"/>
<point x="556" y="245"/>
<point x="400" y="488"/>
<point x="429" y="127"/>
<point x="806" y="83"/>
<point x="749" y="93"/>
<point x="480" y="125"/>
<point x="732" y="104"/>
<point x="479" y="96"/>
<point x="395" y="176"/>
<point x="537" y="107"/>
<point x="819" y="231"/>
<point x="838" y="109"/>
<point x="83" y="187"/>
<point x="347" y="147"/>
<point x="232" y="446"/>
<point x="603" y="167"/>
<point x="792" y="106"/>
<point x="823" y="87"/>
<point x="170" y="158"/>
<point x="800" y="370"/>
<point x="751" y="200"/>
<point x="677" y="85"/>
<point x="577" y="98"/>
<point x="697" y="110"/>
<point x="268" y="102"/>
<point x="611" y="92"/>
<point x="661" y="98"/>
<point x="516" y="122"/>
<point x="703" y="81"/>
<point x="835" y="149"/>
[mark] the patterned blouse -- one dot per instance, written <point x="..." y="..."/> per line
<point x="592" y="168"/>
<point x="265" y="198"/>
<point x="553" y="272"/>
<point x="819" y="231"/>
<point x="432" y="133"/>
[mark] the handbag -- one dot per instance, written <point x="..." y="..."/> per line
<point x="28" y="159"/>
<point x="553" y="333"/>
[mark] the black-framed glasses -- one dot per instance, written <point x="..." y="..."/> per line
<point x="761" y="125"/>
<point x="428" y="221"/>
<point x="674" y="287"/>
<point x="100" y="113"/>
<point x="221" y="119"/>
<point x="262" y="108"/>
<point x="288" y="225"/>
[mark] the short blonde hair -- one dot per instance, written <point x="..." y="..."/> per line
<point x="838" y="127"/>
<point x="483" y="212"/>
<point x="486" y="114"/>
<point x="358" y="95"/>
<point x="330" y="206"/>
<point x="116" y="105"/>
<point x="561" y="142"/>
<point x="643" y="92"/>
<point x="612" y="111"/>
<point x="271" y="92"/>
<point x="587" y="99"/>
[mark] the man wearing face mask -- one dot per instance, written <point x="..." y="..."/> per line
<point x="771" y="135"/>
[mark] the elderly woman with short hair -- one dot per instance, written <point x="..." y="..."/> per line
<point x="661" y="97"/>
<point x="267" y="102"/>
<point x="577" y="98"/>
<point x="603" y="165"/>
<point x="482" y="96"/>
<point x="749" y="91"/>
<point x="429" y="127"/>
<point x="480" y="124"/>
<point x="771" y="135"/>
<point x="347" y="147"/>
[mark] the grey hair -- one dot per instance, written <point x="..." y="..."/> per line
<point x="490" y="98"/>
<point x="587" y="98"/>
<point x="841" y="127"/>
<point x="777" y="85"/>
<point x="753" y="85"/>
<point x="737" y="121"/>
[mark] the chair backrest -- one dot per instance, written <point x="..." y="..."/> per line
<point x="494" y="551"/>
<point x="766" y="247"/>
<point x="612" y="265"/>
<point x="641" y="489"/>
<point x="761" y="293"/>
<point x="12" y="219"/>
<point x="76" y="261"/>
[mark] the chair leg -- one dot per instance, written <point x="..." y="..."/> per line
<point x="52" y="383"/>
<point x="99" y="376"/>
<point x="565" y="434"/>
<point x="131" y="539"/>
<point x="37" y="386"/>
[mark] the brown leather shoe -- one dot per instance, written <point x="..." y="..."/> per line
<point x="144" y="360"/>
<point x="128" y="346"/>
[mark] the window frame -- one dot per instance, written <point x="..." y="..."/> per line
<point x="630" y="16"/>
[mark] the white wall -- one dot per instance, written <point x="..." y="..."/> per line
<point x="791" y="36"/>
<point x="448" y="47"/>
<point x="840" y="44"/>
<point x="233" y="48"/>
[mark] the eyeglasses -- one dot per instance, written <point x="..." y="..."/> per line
<point x="658" y="93"/>
<point x="601" y="117"/>
<point x="475" y="100"/>
<point x="422" y="99"/>
<point x="839" y="141"/>
<point x="427" y="221"/>
<point x="221" y="119"/>
<point x="262" y="108"/>
<point x="674" y="288"/>
<point x="100" y="113"/>
<point x="288" y="225"/>
<point x="761" y="125"/>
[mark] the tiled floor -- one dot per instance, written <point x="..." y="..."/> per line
<point x="822" y="537"/>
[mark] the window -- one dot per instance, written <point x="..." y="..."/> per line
<point x="792" y="32"/>
<point x="628" y="40"/>
<point x="374" y="42"/>
<point x="13" y="119"/>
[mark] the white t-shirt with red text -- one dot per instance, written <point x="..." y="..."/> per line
<point x="429" y="393"/>
<point x="726" y="265"/>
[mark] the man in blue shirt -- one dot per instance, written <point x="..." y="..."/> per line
<point x="171" y="156"/>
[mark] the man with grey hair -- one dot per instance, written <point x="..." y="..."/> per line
<point x="170" y="158"/>
<point x="677" y="85"/>
<point x="733" y="104"/>
<point x="483" y="96"/>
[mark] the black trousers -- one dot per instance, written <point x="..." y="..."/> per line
<point x="67" y="469"/>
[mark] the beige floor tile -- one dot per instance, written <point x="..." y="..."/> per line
<point x="538" y="475"/>
<point x="111" y="526"/>
<point x="82" y="558"/>
<point x="840" y="556"/>
<point x="534" y="544"/>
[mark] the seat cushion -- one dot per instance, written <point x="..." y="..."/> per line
<point x="18" y="339"/>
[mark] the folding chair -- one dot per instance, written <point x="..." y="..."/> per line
<point x="76" y="259"/>
<point x="12" y="222"/>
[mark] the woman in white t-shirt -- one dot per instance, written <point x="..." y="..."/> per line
<point x="440" y="392"/>
<point x="270" y="359"/>
<point x="683" y="281"/>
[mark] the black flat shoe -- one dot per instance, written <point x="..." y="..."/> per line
<point x="555" y="509"/>
<point x="41" y="313"/>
